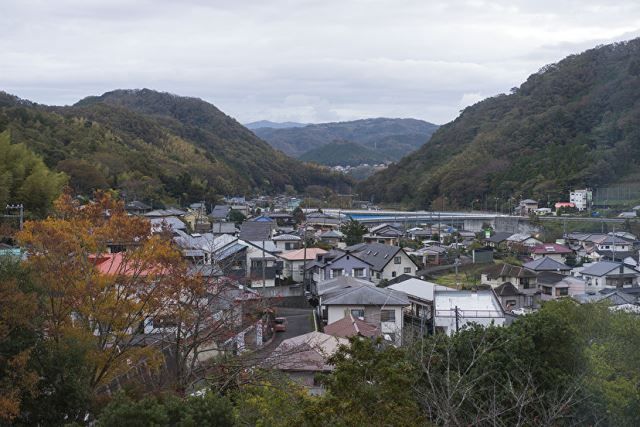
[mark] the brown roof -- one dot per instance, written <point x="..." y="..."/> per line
<point x="299" y="254"/>
<point x="349" y="327"/>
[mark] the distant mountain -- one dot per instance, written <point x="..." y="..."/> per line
<point x="570" y="125"/>
<point x="393" y="138"/>
<point x="273" y="125"/>
<point x="156" y="146"/>
<point x="343" y="153"/>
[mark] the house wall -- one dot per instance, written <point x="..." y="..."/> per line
<point x="391" y="268"/>
<point x="347" y="263"/>
<point x="371" y="315"/>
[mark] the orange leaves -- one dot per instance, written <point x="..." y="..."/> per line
<point x="94" y="293"/>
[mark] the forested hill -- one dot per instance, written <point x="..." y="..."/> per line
<point x="573" y="124"/>
<point x="155" y="146"/>
<point x="343" y="153"/>
<point x="392" y="138"/>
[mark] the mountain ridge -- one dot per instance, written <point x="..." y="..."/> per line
<point x="392" y="137"/>
<point x="158" y="144"/>
<point x="571" y="124"/>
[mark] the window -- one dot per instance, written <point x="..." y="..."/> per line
<point x="358" y="272"/>
<point x="397" y="260"/>
<point x="510" y="302"/>
<point x="387" y="315"/>
<point x="336" y="272"/>
<point x="562" y="292"/>
<point x="357" y="313"/>
<point x="546" y="290"/>
<point x="407" y="270"/>
<point x="393" y="274"/>
<point x="377" y="275"/>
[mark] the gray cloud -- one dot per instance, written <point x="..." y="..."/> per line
<point x="303" y="60"/>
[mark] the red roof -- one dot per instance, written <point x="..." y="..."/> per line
<point x="299" y="254"/>
<point x="118" y="264"/>
<point x="551" y="248"/>
<point x="565" y="205"/>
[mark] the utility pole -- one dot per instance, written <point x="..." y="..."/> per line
<point x="264" y="266"/>
<point x="457" y="319"/>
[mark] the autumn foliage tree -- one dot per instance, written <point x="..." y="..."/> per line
<point x="98" y="297"/>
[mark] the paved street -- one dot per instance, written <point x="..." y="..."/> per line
<point x="299" y="322"/>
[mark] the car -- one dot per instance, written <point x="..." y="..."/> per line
<point x="281" y="324"/>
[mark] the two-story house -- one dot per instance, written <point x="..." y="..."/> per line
<point x="524" y="280"/>
<point x="387" y="262"/>
<point x="606" y="274"/>
<point x="381" y="307"/>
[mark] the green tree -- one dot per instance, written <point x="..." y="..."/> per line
<point x="168" y="410"/>
<point x="353" y="231"/>
<point x="237" y="217"/>
<point x="25" y="179"/>
<point x="372" y="384"/>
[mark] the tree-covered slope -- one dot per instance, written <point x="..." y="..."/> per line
<point x="155" y="146"/>
<point x="344" y="153"/>
<point x="573" y="124"/>
<point x="391" y="137"/>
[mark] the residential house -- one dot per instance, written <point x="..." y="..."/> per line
<point x="256" y="231"/>
<point x="522" y="240"/>
<point x="526" y="207"/>
<point x="220" y="213"/>
<point x="264" y="267"/>
<point x="160" y="213"/>
<point x="303" y="357"/>
<point x="606" y="274"/>
<point x="322" y="221"/>
<point x="332" y="237"/>
<point x="220" y="228"/>
<point x="551" y="250"/>
<point x="555" y="285"/>
<point x="378" y="306"/>
<point x="432" y="255"/>
<point x="336" y="263"/>
<point x="613" y="297"/>
<point x="287" y="242"/>
<point x="420" y="295"/>
<point x="453" y="310"/>
<point x="384" y="234"/>
<point x="350" y="326"/>
<point x="387" y="262"/>
<point x="524" y="280"/>
<point x="511" y="298"/>
<point x="136" y="207"/>
<point x="547" y="264"/>
<point x="167" y="223"/>
<point x="295" y="261"/>
<point x="197" y="220"/>
<point x="498" y="239"/>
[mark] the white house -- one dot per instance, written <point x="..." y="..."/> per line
<point x="376" y="306"/>
<point x="387" y="262"/>
<point x="294" y="262"/>
<point x="608" y="275"/>
<point x="455" y="309"/>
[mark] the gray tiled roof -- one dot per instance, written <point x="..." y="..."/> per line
<point x="376" y="254"/>
<point x="367" y="295"/>
<point x="220" y="211"/>
<point x="255" y="231"/>
<point x="506" y="290"/>
<point x="499" y="237"/>
<point x="601" y="268"/>
<point x="546" y="264"/>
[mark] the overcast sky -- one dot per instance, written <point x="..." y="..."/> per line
<point x="300" y="60"/>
